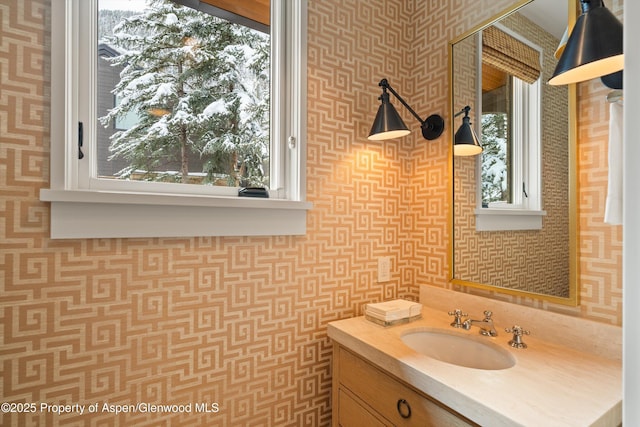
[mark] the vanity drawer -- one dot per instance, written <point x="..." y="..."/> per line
<point x="354" y="414"/>
<point x="393" y="400"/>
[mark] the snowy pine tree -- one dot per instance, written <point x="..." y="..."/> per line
<point x="200" y="87"/>
<point x="494" y="158"/>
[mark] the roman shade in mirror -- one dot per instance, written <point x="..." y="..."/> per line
<point x="510" y="55"/>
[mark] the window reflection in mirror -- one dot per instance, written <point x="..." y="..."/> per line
<point x="510" y="120"/>
<point x="496" y="136"/>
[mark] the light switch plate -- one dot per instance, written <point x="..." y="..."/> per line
<point x="384" y="269"/>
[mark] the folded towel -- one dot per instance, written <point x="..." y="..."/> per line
<point x="613" y="208"/>
<point x="393" y="310"/>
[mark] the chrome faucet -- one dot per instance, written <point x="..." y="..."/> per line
<point x="458" y="315"/>
<point x="485" y="325"/>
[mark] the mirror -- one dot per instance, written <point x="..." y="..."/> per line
<point x="514" y="206"/>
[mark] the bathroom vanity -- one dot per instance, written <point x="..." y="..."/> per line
<point x="378" y="380"/>
<point x="368" y="396"/>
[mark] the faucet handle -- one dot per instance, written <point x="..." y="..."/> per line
<point x="488" y="314"/>
<point x="517" y="332"/>
<point x="457" y="320"/>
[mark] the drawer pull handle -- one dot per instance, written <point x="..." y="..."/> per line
<point x="403" y="408"/>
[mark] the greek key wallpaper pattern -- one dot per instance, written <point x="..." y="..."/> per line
<point x="238" y="325"/>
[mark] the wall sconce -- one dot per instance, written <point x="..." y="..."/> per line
<point x="388" y="123"/>
<point x="594" y="48"/>
<point x="466" y="142"/>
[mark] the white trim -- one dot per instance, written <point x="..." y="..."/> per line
<point x="495" y="219"/>
<point x="630" y="294"/>
<point x="85" y="213"/>
<point x="167" y="199"/>
<point x="102" y="210"/>
<point x="100" y="220"/>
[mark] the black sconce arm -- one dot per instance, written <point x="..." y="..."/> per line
<point x="384" y="84"/>
<point x="465" y="110"/>
<point x="432" y="127"/>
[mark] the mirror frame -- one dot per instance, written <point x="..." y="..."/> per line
<point x="573" y="298"/>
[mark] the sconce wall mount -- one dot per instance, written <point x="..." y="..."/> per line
<point x="388" y="123"/>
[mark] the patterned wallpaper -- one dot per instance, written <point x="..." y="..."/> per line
<point x="241" y="322"/>
<point x="600" y="244"/>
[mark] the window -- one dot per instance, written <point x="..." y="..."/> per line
<point x="192" y="92"/>
<point x="510" y="188"/>
<point x="128" y="184"/>
<point x="510" y="119"/>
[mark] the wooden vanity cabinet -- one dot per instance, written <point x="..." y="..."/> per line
<point x="365" y="396"/>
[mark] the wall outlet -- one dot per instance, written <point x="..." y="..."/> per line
<point x="384" y="269"/>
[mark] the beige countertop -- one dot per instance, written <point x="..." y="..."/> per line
<point x="551" y="384"/>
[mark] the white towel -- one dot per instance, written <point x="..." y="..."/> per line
<point x="613" y="208"/>
<point x="393" y="310"/>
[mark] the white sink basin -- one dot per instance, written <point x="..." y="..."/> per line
<point x="461" y="350"/>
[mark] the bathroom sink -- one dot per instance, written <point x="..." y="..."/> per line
<point x="461" y="350"/>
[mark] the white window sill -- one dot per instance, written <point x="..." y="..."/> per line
<point x="102" y="214"/>
<point x="492" y="219"/>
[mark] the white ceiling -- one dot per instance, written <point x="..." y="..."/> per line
<point x="552" y="15"/>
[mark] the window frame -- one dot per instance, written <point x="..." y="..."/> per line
<point x="80" y="210"/>
<point x="525" y="213"/>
